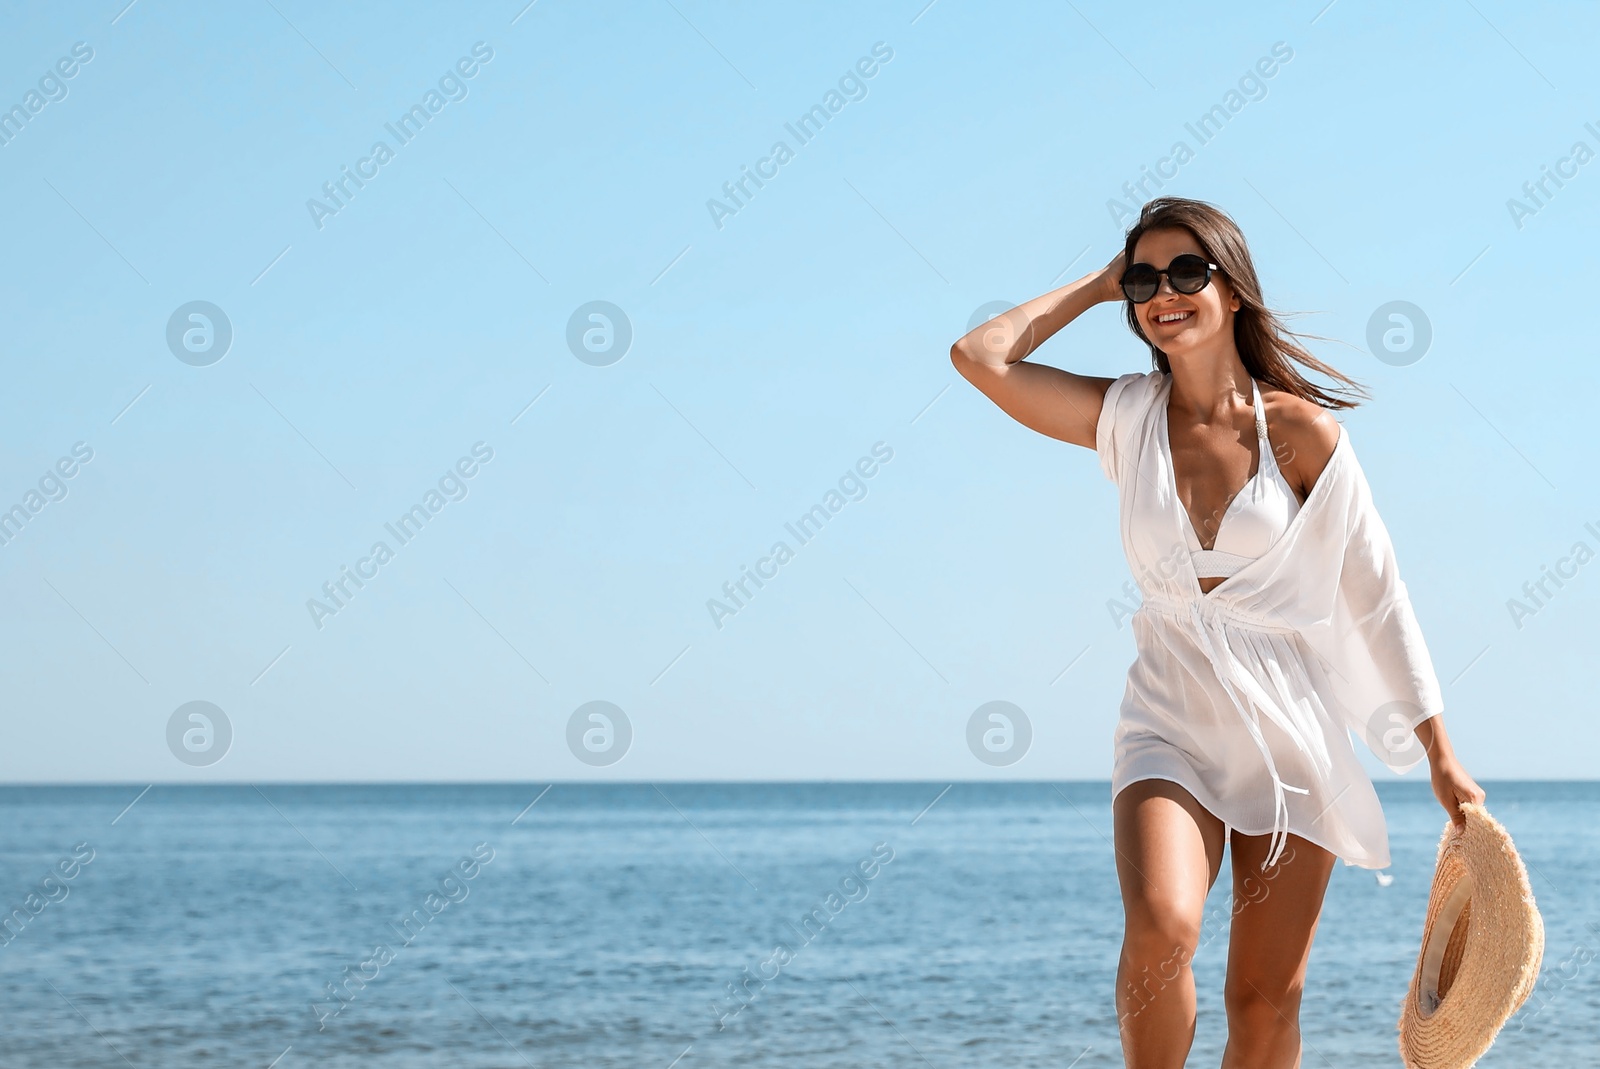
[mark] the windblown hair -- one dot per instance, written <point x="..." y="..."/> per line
<point x="1266" y="347"/>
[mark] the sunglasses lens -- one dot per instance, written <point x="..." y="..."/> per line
<point x="1139" y="283"/>
<point x="1188" y="273"/>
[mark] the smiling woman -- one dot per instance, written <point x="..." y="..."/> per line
<point x="1264" y="649"/>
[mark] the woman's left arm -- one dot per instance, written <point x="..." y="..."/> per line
<point x="1451" y="784"/>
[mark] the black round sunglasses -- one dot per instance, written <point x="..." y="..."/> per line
<point x="1187" y="272"/>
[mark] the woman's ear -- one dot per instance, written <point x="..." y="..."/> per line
<point x="1234" y="304"/>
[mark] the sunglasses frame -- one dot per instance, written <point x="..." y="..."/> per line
<point x="1206" y="281"/>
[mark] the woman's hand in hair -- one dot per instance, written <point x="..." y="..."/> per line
<point x="1111" y="277"/>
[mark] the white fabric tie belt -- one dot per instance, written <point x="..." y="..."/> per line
<point x="1236" y="678"/>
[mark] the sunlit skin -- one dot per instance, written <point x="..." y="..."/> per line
<point x="1169" y="847"/>
<point x="1210" y="417"/>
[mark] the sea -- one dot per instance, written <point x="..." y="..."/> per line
<point x="682" y="925"/>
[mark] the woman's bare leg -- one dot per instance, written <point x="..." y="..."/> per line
<point x="1275" y="917"/>
<point x="1169" y="851"/>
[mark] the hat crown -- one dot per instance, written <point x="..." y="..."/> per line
<point x="1482" y="945"/>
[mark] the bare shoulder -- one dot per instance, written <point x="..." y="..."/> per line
<point x="1304" y="436"/>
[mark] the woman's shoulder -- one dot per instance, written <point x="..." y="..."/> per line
<point x="1305" y="437"/>
<point x="1124" y="410"/>
<point x="1133" y="384"/>
<point x="1128" y="398"/>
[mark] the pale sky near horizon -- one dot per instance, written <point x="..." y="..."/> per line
<point x="438" y="316"/>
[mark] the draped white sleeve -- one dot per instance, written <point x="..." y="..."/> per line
<point x="1385" y="678"/>
<point x="1335" y="578"/>
<point x="1118" y="421"/>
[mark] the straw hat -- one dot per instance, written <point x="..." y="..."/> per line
<point x="1482" y="944"/>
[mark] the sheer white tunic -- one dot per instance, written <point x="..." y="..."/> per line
<point x="1247" y="695"/>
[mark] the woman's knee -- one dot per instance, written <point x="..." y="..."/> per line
<point x="1254" y="1008"/>
<point x="1160" y="935"/>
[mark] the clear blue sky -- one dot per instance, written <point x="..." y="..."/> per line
<point x="768" y="356"/>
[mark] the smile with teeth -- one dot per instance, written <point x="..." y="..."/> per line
<point x="1173" y="317"/>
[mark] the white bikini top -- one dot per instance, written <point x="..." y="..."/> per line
<point x="1254" y="519"/>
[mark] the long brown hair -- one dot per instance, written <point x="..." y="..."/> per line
<point x="1266" y="347"/>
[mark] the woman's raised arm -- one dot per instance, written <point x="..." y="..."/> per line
<point x="1053" y="402"/>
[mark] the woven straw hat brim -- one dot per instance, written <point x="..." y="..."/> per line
<point x="1482" y="945"/>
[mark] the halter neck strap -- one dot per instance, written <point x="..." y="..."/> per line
<point x="1261" y="410"/>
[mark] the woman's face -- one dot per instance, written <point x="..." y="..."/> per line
<point x="1180" y="323"/>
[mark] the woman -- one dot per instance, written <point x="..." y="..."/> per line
<point x="1272" y="620"/>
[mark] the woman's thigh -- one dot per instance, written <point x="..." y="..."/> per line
<point x="1275" y="917"/>
<point x="1169" y="852"/>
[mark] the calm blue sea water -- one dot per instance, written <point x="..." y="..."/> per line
<point x="609" y="921"/>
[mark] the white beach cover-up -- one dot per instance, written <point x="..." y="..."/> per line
<point x="1247" y="695"/>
